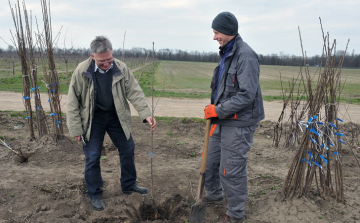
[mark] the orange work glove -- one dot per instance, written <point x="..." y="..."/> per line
<point x="209" y="112"/>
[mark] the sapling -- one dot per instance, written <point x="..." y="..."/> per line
<point x="315" y="130"/>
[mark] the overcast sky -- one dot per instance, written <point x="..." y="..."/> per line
<point x="267" y="26"/>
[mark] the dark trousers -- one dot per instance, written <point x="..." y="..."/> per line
<point x="108" y="122"/>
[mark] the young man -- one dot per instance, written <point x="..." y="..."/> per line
<point x="236" y="108"/>
<point x="97" y="103"/>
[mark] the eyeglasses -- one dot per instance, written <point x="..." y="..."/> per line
<point x="102" y="62"/>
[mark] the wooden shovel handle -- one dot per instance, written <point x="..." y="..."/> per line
<point x="203" y="161"/>
<point x="206" y="146"/>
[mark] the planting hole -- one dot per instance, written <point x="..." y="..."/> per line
<point x="148" y="210"/>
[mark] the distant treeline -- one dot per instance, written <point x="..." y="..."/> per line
<point x="350" y="60"/>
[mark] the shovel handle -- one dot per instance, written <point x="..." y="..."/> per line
<point x="206" y="146"/>
<point x="203" y="161"/>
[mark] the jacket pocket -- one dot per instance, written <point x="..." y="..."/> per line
<point x="231" y="84"/>
<point x="235" y="167"/>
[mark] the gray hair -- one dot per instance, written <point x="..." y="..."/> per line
<point x="100" y="44"/>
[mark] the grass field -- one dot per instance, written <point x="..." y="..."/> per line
<point x="191" y="79"/>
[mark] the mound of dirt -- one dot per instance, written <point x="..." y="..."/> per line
<point x="49" y="187"/>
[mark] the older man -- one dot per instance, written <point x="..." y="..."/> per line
<point x="236" y="108"/>
<point x="97" y="103"/>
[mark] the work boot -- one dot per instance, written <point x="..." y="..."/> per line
<point x="227" y="219"/>
<point x="97" y="204"/>
<point x="137" y="189"/>
<point x="216" y="201"/>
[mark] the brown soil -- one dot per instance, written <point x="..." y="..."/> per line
<point x="49" y="187"/>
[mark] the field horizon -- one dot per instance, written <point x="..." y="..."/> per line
<point x="192" y="79"/>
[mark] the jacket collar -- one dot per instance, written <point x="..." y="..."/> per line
<point x="231" y="46"/>
<point x="90" y="70"/>
<point x="227" y="47"/>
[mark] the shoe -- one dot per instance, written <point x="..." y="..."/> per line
<point x="97" y="204"/>
<point x="217" y="201"/>
<point x="227" y="219"/>
<point x="137" y="189"/>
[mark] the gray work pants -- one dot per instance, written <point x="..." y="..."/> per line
<point x="226" y="166"/>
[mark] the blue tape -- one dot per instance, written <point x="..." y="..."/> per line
<point x="341" y="141"/>
<point x="27" y="117"/>
<point x="151" y="153"/>
<point x="313" y="131"/>
<point x="324" y="146"/>
<point x="339" y="134"/>
<point x="332" y="125"/>
<point x="320" y="123"/>
<point x="313" y="140"/>
<point x="317" y="164"/>
<point x="323" y="158"/>
<point x="311" y="156"/>
<point x="340" y="120"/>
<point x="309" y="121"/>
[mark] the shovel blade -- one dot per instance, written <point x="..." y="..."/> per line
<point x="197" y="212"/>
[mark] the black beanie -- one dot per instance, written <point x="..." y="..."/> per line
<point x="226" y="23"/>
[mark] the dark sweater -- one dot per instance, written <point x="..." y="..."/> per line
<point x="103" y="94"/>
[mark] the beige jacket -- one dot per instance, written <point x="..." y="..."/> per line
<point x="80" y="104"/>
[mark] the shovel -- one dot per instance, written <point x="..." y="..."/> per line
<point x="198" y="209"/>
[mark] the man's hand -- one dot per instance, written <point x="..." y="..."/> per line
<point x="152" y="122"/>
<point x="77" y="138"/>
<point x="209" y="112"/>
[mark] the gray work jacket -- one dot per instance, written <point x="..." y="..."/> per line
<point x="239" y="99"/>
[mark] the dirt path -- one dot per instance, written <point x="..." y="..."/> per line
<point x="174" y="107"/>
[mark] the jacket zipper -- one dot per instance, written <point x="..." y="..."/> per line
<point x="93" y="110"/>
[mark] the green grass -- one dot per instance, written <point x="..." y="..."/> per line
<point x="272" y="87"/>
<point x="21" y="114"/>
<point x="171" y="83"/>
<point x="14" y="83"/>
<point x="190" y="79"/>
